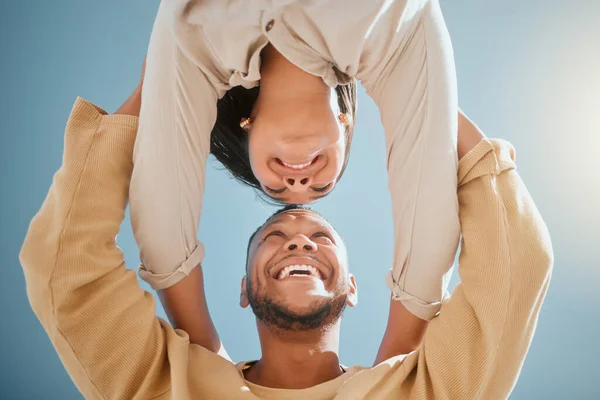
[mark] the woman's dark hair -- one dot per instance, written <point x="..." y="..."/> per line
<point x="229" y="142"/>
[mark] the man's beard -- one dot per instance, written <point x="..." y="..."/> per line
<point x="278" y="316"/>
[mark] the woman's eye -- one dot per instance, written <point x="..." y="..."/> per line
<point x="274" y="191"/>
<point x="322" y="189"/>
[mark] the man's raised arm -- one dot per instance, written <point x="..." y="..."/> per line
<point x="475" y="348"/>
<point x="100" y="321"/>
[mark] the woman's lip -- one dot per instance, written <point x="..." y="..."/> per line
<point x="296" y="166"/>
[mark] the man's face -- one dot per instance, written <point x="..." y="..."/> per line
<point x="297" y="273"/>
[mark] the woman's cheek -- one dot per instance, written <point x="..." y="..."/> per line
<point x="334" y="166"/>
<point x="259" y="164"/>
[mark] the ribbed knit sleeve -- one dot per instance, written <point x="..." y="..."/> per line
<point x="476" y="347"/>
<point x="100" y="321"/>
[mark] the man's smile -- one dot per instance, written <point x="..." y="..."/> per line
<point x="299" y="271"/>
<point x="298" y="267"/>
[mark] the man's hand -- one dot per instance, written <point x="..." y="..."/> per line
<point x="133" y="104"/>
<point x="469" y="135"/>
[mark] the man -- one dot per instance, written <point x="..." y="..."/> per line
<point x="105" y="331"/>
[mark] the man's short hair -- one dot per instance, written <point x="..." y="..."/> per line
<point x="289" y="207"/>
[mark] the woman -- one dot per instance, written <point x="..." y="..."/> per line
<point x="291" y="138"/>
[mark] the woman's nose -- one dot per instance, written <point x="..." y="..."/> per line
<point x="297" y="184"/>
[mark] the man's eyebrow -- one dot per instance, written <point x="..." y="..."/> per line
<point x="276" y="222"/>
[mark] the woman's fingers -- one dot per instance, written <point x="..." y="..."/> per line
<point x="143" y="71"/>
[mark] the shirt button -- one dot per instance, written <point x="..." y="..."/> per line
<point x="269" y="25"/>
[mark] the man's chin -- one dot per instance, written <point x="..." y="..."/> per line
<point x="301" y="313"/>
<point x="305" y="306"/>
<point x="299" y="287"/>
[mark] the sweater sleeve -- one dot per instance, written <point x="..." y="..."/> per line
<point x="179" y="109"/>
<point x="417" y="100"/>
<point x="100" y="321"/>
<point x="475" y="348"/>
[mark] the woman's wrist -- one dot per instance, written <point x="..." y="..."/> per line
<point x="469" y="135"/>
<point x="133" y="104"/>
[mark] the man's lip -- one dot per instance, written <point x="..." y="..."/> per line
<point x="300" y="278"/>
<point x="300" y="260"/>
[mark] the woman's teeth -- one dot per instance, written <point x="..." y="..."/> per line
<point x="299" y="270"/>
<point x="296" y="166"/>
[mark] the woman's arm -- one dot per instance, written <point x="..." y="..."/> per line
<point x="184" y="302"/>
<point x="185" y="305"/>
<point x="177" y="114"/>
<point x="401" y="323"/>
<point x="416" y="96"/>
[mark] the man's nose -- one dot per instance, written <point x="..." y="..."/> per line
<point x="297" y="184"/>
<point x="301" y="243"/>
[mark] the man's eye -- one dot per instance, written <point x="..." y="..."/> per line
<point x="322" y="235"/>
<point x="275" y="233"/>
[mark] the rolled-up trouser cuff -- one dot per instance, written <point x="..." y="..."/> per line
<point x="419" y="308"/>
<point x="166" y="280"/>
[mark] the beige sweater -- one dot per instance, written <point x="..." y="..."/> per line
<point x="104" y="328"/>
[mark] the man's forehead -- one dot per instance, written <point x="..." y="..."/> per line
<point x="299" y="215"/>
<point x="294" y="216"/>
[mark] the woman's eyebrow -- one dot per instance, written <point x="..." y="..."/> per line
<point x="315" y="198"/>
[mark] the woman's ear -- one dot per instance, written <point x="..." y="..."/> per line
<point x="245" y="124"/>
<point x="353" y="295"/>
<point x="244" y="302"/>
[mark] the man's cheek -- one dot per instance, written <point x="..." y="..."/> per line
<point x="271" y="250"/>
<point x="265" y="255"/>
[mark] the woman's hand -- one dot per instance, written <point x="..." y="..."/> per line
<point x="469" y="134"/>
<point x="143" y="74"/>
<point x="133" y="104"/>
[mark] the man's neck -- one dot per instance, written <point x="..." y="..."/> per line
<point x="296" y="360"/>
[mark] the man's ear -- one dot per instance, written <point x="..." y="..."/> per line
<point x="244" y="302"/>
<point x="353" y="295"/>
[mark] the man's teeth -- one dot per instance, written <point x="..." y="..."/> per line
<point x="289" y="271"/>
<point x="296" y="166"/>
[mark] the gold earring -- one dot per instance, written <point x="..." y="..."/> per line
<point x="344" y="119"/>
<point x="245" y="122"/>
